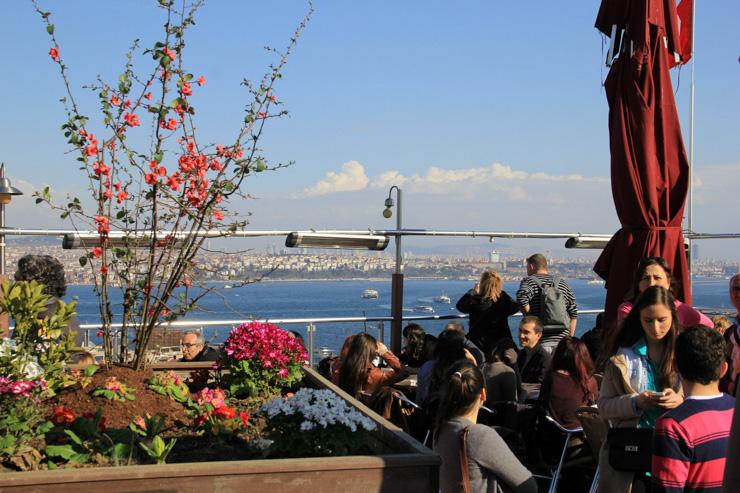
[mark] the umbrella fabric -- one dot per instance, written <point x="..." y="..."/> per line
<point x="649" y="168"/>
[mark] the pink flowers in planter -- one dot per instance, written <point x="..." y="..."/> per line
<point x="20" y="388"/>
<point x="261" y="357"/>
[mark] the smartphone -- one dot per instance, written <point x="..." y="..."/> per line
<point x="656" y="394"/>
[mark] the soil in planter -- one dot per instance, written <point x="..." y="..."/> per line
<point x="118" y="414"/>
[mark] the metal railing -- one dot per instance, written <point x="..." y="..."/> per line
<point x="309" y="323"/>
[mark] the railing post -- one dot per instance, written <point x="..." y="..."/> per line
<point x="381" y="332"/>
<point x="310" y="329"/>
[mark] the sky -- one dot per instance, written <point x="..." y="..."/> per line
<point x="490" y="115"/>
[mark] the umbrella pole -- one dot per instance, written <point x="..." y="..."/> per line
<point x="691" y="147"/>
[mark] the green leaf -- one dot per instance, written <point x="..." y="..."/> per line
<point x="50" y="29"/>
<point x="83" y="261"/>
<point x="64" y="451"/>
<point x="73" y="436"/>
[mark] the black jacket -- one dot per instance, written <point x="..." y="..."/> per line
<point x="489" y="320"/>
<point x="533" y="365"/>
<point x="207" y="354"/>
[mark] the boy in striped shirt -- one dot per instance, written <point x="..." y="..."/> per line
<point x="690" y="441"/>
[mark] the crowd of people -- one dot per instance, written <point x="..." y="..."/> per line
<point x="662" y="377"/>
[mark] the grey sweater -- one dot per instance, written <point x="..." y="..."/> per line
<point x="491" y="464"/>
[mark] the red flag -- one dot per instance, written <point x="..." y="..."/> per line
<point x="685" y="13"/>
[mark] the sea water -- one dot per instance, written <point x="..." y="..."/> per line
<point x="342" y="299"/>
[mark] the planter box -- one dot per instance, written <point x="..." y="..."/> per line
<point x="410" y="467"/>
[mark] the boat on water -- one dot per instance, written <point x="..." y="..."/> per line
<point x="595" y="281"/>
<point x="370" y="294"/>
<point x="443" y="298"/>
<point x="424" y="308"/>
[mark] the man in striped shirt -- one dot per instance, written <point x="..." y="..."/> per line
<point x="529" y="298"/>
<point x="690" y="441"/>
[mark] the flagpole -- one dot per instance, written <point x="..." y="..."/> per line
<point x="691" y="143"/>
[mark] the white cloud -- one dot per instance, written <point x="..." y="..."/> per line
<point x="350" y="179"/>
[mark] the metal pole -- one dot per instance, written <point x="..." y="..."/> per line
<point x="397" y="284"/>
<point x="691" y="144"/>
<point x="310" y="329"/>
<point x="2" y="240"/>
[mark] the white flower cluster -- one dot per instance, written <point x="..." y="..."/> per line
<point x="318" y="408"/>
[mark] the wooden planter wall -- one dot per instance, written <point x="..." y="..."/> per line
<point x="410" y="468"/>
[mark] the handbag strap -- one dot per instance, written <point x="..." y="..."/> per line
<point x="465" y="474"/>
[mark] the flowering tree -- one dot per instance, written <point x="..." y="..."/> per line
<point x="160" y="203"/>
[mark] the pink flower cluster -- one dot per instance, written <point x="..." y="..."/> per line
<point x="272" y="346"/>
<point x="214" y="398"/>
<point x="15" y="388"/>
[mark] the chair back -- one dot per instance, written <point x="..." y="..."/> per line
<point x="595" y="428"/>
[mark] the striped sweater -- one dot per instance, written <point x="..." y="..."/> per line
<point x="690" y="445"/>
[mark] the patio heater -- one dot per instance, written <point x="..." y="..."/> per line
<point x="397" y="278"/>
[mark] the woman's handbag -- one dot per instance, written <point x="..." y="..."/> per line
<point x="630" y="449"/>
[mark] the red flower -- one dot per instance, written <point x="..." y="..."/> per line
<point x="104" y="270"/>
<point x="108" y="194"/>
<point x="153" y="165"/>
<point x="91" y="150"/>
<point x="148" y="95"/>
<point x="263" y="114"/>
<point x="217" y="215"/>
<point x="62" y="416"/>
<point x="187" y="89"/>
<point x="245" y="418"/>
<point x="103" y="224"/>
<point x="202" y="418"/>
<point x="170" y="124"/>
<point x="54" y="54"/>
<point x="131" y="119"/>
<point x="114" y="100"/>
<point x="201" y="80"/>
<point x="117" y="185"/>
<point x="169" y="53"/>
<point x="162" y="171"/>
<point x="122" y="195"/>
<point x="273" y="98"/>
<point x="174" y="181"/>
<point x="150" y="178"/>
<point x="225" y="412"/>
<point x="97" y="252"/>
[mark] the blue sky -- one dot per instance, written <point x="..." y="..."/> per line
<point x="490" y="114"/>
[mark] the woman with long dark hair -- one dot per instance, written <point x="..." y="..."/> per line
<point x="489" y="464"/>
<point x="489" y="307"/>
<point x="569" y="383"/>
<point x="356" y="372"/>
<point x="640" y="381"/>
<point x="654" y="271"/>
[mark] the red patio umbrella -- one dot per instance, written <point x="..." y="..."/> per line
<point x="649" y="168"/>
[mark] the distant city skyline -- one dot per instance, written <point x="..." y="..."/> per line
<point x="489" y="115"/>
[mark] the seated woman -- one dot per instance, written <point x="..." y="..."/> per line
<point x="502" y="380"/>
<point x="458" y="439"/>
<point x="569" y="383"/>
<point x="413" y="352"/>
<point x="654" y="271"/>
<point x="449" y="349"/>
<point x="357" y="374"/>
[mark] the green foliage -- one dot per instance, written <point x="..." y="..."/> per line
<point x="113" y="390"/>
<point x="85" y="441"/>
<point x="172" y="386"/>
<point x="39" y="342"/>
<point x="158" y="449"/>
<point x="22" y="429"/>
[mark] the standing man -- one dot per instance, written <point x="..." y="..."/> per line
<point x="548" y="298"/>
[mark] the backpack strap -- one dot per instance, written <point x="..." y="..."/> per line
<point x="463" y="455"/>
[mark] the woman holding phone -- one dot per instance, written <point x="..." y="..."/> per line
<point x="640" y="382"/>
